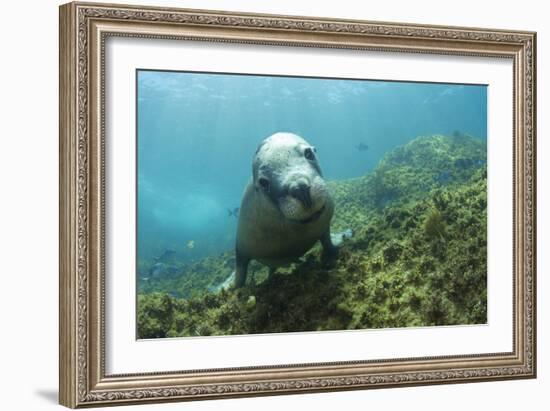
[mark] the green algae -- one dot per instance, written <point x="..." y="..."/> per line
<point x="434" y="226"/>
<point x="417" y="258"/>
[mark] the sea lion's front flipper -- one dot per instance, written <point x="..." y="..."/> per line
<point x="241" y="268"/>
<point x="271" y="272"/>
<point x="329" y="250"/>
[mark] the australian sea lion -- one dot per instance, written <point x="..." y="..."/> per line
<point x="286" y="207"/>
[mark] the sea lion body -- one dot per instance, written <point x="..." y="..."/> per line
<point x="286" y="207"/>
<point x="264" y="235"/>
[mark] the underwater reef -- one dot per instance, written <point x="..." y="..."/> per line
<point x="418" y="257"/>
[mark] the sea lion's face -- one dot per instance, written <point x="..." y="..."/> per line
<point x="286" y="170"/>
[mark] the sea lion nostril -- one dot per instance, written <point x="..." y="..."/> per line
<point x="301" y="191"/>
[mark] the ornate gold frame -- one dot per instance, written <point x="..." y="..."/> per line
<point x="83" y="30"/>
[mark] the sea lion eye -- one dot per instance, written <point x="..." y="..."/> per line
<point x="308" y="153"/>
<point x="264" y="183"/>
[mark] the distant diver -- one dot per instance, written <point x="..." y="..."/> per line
<point x="233" y="213"/>
<point x="361" y="147"/>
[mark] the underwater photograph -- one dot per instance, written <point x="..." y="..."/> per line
<point x="278" y="204"/>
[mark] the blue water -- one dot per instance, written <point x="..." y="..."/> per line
<point x="197" y="134"/>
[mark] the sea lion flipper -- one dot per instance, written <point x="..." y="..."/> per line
<point x="271" y="272"/>
<point x="329" y="250"/>
<point x="241" y="268"/>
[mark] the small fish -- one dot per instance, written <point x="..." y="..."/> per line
<point x="362" y="147"/>
<point x="457" y="134"/>
<point x="233" y="213"/>
<point x="191" y="244"/>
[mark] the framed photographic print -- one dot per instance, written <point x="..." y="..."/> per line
<point x="259" y="204"/>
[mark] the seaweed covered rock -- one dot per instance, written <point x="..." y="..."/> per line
<point x="418" y="259"/>
<point x="192" y="278"/>
<point x="409" y="173"/>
